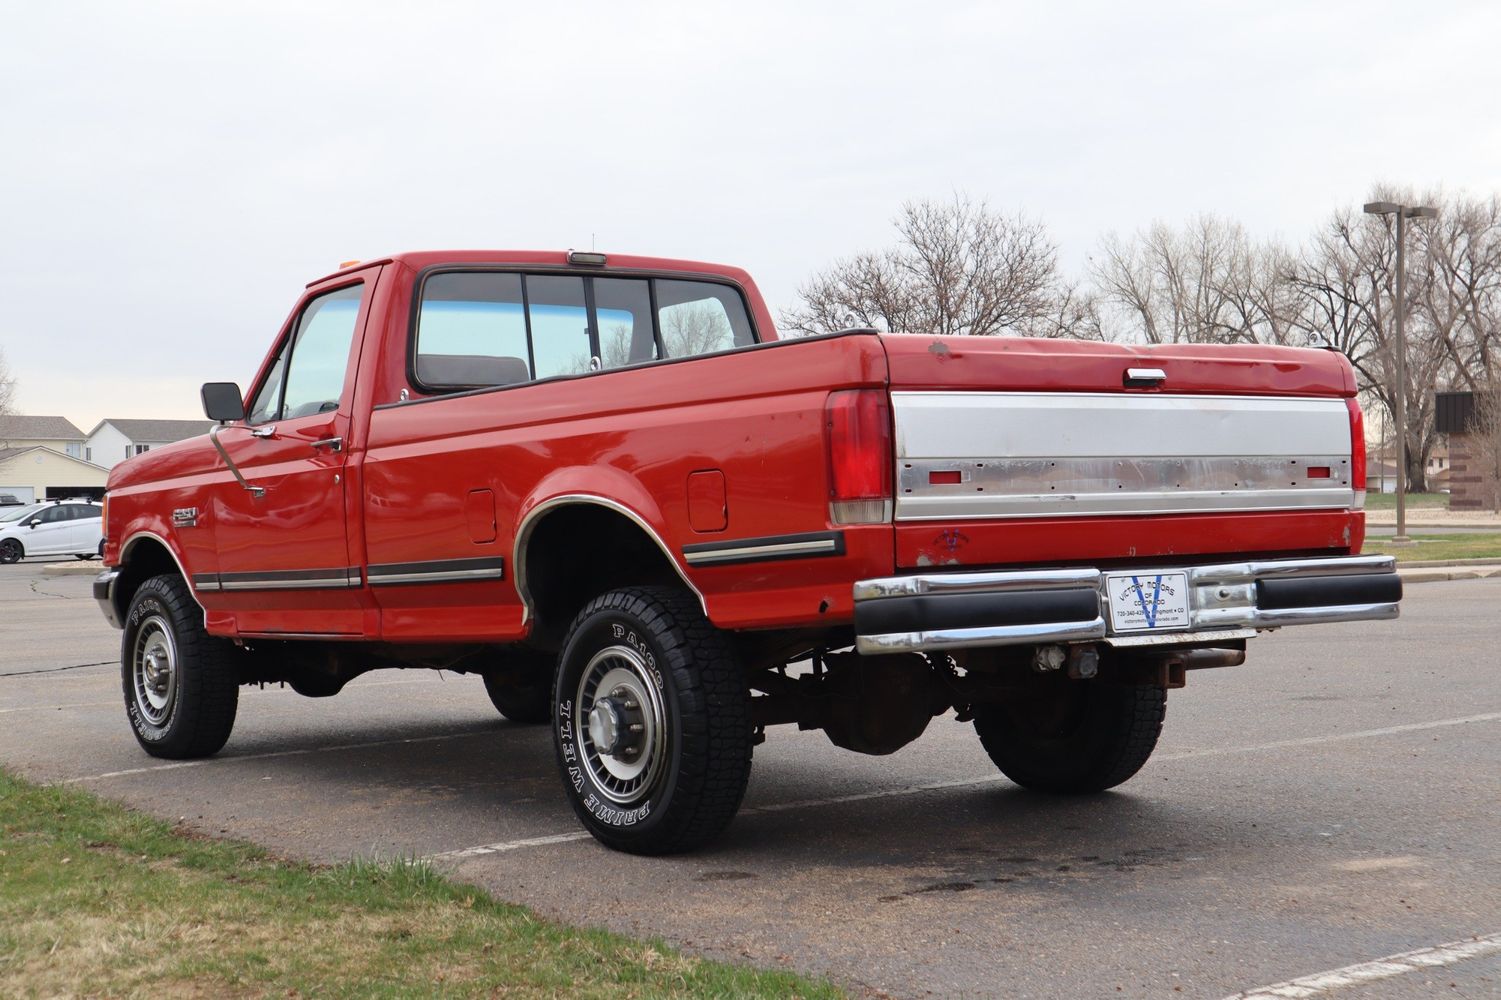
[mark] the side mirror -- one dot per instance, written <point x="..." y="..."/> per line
<point x="33" y="522"/>
<point x="222" y="401"/>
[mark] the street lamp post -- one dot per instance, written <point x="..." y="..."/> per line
<point x="1403" y="213"/>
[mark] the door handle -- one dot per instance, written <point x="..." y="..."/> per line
<point x="332" y="444"/>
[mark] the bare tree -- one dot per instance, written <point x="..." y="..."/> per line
<point x="1073" y="313"/>
<point x="7" y="387"/>
<point x="958" y="268"/>
<point x="692" y="328"/>
<point x="1347" y="280"/>
<point x="1484" y="457"/>
<point x="1204" y="283"/>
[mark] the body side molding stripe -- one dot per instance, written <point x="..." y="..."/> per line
<point x="437" y="571"/>
<point x="336" y="578"/>
<point x="765" y="549"/>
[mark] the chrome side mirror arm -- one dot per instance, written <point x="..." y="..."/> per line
<point x="213" y="435"/>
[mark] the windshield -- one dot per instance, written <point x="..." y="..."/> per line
<point x="17" y="513"/>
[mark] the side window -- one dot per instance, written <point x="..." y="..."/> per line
<point x="52" y="515"/>
<point x="471" y="331"/>
<point x="559" y="322"/>
<point x="698" y="317"/>
<point x="308" y="375"/>
<point x="622" y="309"/>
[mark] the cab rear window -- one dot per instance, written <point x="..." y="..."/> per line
<point x="480" y="329"/>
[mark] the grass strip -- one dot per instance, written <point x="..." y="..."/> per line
<point x="1415" y="501"/>
<point x="1478" y="545"/>
<point x="97" y="900"/>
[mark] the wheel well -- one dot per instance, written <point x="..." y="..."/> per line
<point x="576" y="553"/>
<point x="143" y="559"/>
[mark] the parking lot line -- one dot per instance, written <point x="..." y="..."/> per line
<point x="204" y="761"/>
<point x="54" y="708"/>
<point x="505" y="846"/>
<point x="1308" y="741"/>
<point x="1323" y="983"/>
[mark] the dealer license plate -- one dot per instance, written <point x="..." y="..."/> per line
<point x="1144" y="602"/>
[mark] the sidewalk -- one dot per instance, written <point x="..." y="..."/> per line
<point x="1434" y="517"/>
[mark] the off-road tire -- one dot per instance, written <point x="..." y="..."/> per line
<point x="1089" y="736"/>
<point x="197" y="718"/>
<point x="11" y="552"/>
<point x="521" y="689"/>
<point x="705" y="754"/>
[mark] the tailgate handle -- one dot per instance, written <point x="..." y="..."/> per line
<point x="1144" y="376"/>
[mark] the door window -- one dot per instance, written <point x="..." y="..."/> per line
<point x="308" y="375"/>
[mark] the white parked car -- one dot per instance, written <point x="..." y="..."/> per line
<point x="65" y="528"/>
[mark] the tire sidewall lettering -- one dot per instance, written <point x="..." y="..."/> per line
<point x="144" y="607"/>
<point x="610" y="631"/>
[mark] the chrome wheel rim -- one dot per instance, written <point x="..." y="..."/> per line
<point x="620" y="724"/>
<point x="154" y="670"/>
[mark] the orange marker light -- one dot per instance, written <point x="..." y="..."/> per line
<point x="348" y="263"/>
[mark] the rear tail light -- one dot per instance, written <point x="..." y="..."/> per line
<point x="858" y="423"/>
<point x="1357" y="453"/>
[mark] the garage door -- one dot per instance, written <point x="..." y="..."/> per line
<point x="25" y="494"/>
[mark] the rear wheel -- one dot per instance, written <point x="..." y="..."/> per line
<point x="181" y="684"/>
<point x="10" y="551"/>
<point x="653" y="730"/>
<point x="521" y="689"/>
<point x="1073" y="736"/>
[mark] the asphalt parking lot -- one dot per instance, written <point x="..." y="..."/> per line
<point x="1335" y="801"/>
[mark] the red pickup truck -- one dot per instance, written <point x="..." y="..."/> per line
<point x="605" y="485"/>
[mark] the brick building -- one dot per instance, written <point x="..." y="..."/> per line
<point x="1474" y="450"/>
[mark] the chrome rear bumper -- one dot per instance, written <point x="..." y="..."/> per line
<point x="936" y="611"/>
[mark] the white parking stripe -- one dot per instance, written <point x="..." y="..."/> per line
<point x="508" y="845"/>
<point x="1309" y="741"/>
<point x="1323" y="983"/>
<point x="54" y="708"/>
<point x="204" y="761"/>
<point x="990" y="779"/>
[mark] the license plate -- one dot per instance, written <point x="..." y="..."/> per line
<point x="1145" y="602"/>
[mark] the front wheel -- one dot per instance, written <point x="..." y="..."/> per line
<point x="181" y="684"/>
<point x="1073" y="736"/>
<point x="10" y="551"/>
<point x="652" y="730"/>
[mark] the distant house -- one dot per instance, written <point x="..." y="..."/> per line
<point x="42" y="457"/>
<point x="114" y="439"/>
<point x="57" y="433"/>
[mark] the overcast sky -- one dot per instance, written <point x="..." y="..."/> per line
<point x="171" y="174"/>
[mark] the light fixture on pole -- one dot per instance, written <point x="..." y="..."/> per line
<point x="1403" y="213"/>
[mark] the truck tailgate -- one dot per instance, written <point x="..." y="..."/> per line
<point x="1014" y="451"/>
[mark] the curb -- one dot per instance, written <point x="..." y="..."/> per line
<point x="91" y="567"/>
<point x="1433" y="574"/>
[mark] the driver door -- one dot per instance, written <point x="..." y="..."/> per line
<point x="282" y="543"/>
